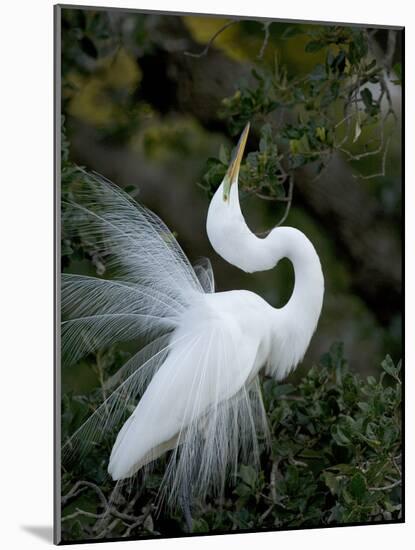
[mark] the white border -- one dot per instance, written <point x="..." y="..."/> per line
<point x="26" y="259"/>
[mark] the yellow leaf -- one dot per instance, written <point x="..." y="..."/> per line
<point x="321" y="133"/>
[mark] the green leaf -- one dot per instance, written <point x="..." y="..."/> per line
<point x="357" y="131"/>
<point x="199" y="525"/>
<point x="224" y="156"/>
<point x="332" y="482"/>
<point x="294" y="146"/>
<point x="357" y="487"/>
<point x="283" y="389"/>
<point x="389" y="368"/>
<point x="398" y="70"/>
<point x="346" y="469"/>
<point x="257" y="75"/>
<point x="314" y="46"/>
<point x="248" y="475"/>
<point x="366" y="96"/>
<point x="243" y="490"/>
<point x="363" y="406"/>
<point x="310" y="453"/>
<point x="321" y="133"/>
<point x="291" y="31"/>
<point x="339" y="436"/>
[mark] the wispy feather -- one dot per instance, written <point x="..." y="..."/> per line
<point x="188" y="401"/>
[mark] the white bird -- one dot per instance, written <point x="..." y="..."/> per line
<point x="193" y="389"/>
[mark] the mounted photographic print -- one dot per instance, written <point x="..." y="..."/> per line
<point x="229" y="258"/>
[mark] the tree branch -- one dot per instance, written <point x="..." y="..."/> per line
<point x="267" y="25"/>
<point x="386" y="487"/>
<point x="211" y="40"/>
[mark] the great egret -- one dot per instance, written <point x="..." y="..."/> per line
<point x="196" y="379"/>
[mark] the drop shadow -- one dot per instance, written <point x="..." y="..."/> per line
<point x="43" y="532"/>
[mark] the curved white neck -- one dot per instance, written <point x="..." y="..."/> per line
<point x="234" y="241"/>
<point x="307" y="297"/>
<point x="287" y="242"/>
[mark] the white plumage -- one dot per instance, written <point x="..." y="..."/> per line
<point x="195" y="383"/>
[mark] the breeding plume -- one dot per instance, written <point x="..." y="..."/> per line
<point x="191" y="392"/>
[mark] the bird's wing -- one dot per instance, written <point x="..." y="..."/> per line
<point x="98" y="313"/>
<point x="191" y="376"/>
<point x="123" y="390"/>
<point x="152" y="285"/>
<point x="199" y="404"/>
<point x="152" y="280"/>
<point x="204" y="272"/>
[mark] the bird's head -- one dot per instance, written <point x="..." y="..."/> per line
<point x="227" y="230"/>
<point x="232" y="174"/>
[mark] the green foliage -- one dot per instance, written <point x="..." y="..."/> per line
<point x="261" y="173"/>
<point x="335" y="452"/>
<point x="77" y="245"/>
<point x="85" y="34"/>
<point x="330" y="107"/>
<point x="335" y="458"/>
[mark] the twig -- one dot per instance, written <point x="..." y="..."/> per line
<point x="383" y="171"/>
<point x="137" y="523"/>
<point x="360" y="156"/>
<point x="387" y="63"/>
<point x="267" y="25"/>
<point x="265" y="514"/>
<point x="273" y="481"/>
<point x="289" y="200"/>
<point x="386" y="487"/>
<point x="80" y="512"/>
<point x="294" y="462"/>
<point x="394" y="459"/>
<point x="385" y="90"/>
<point x="80" y="486"/>
<point x="103" y="525"/>
<point x="211" y="40"/>
<point x="122" y="516"/>
<point x="390" y="51"/>
<point x="109" y="528"/>
<point x="343" y="120"/>
<point x="271" y="199"/>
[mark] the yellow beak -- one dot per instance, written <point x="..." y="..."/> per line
<point x="235" y="164"/>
